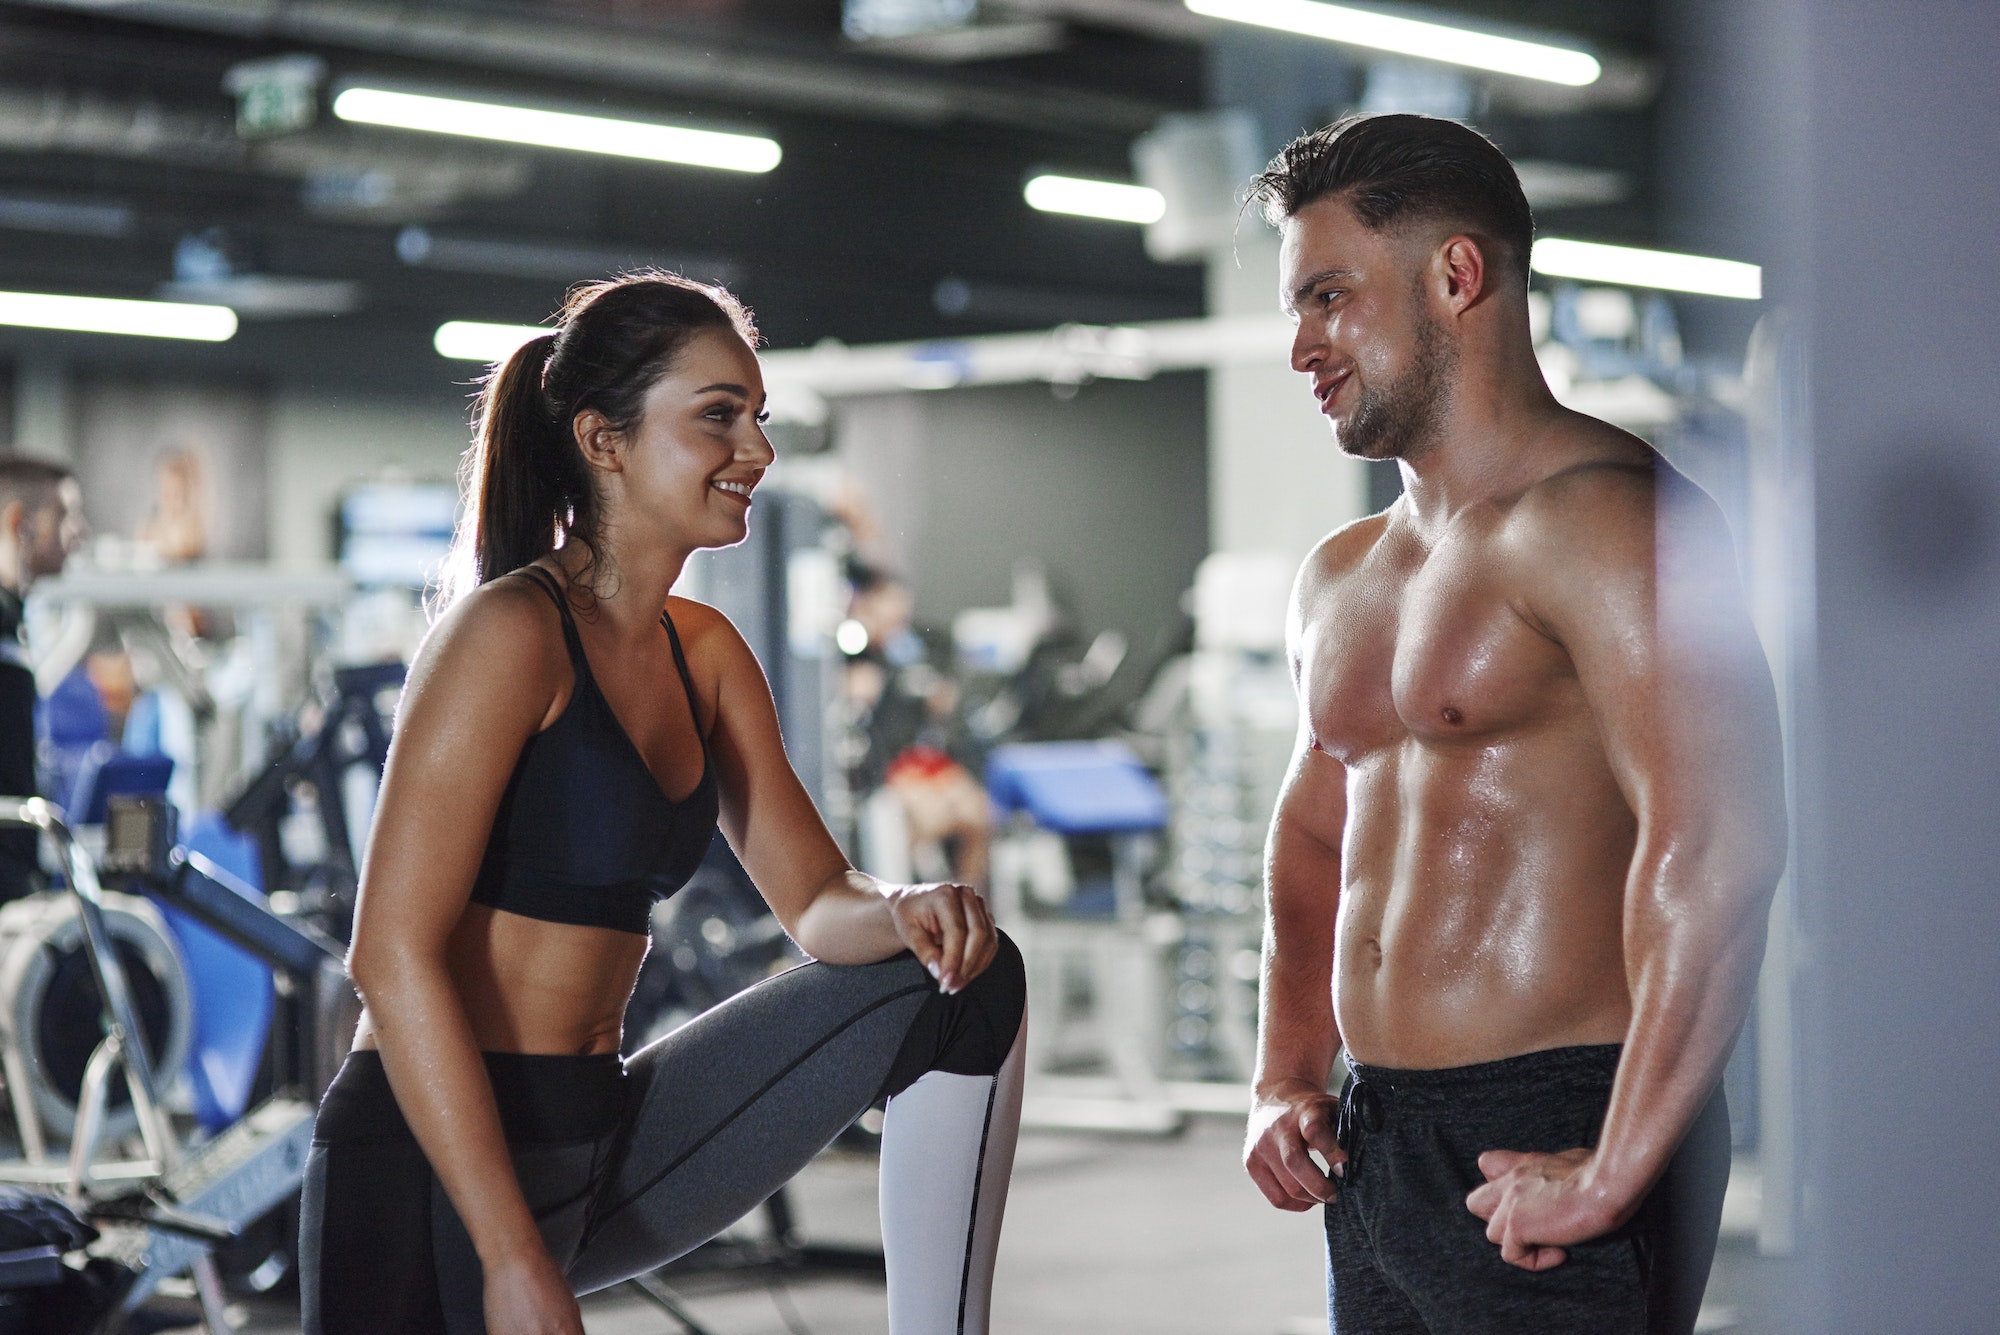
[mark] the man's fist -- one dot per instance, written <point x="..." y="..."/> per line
<point x="1534" y="1205"/>
<point x="1285" y="1123"/>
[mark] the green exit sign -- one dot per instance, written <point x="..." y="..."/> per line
<point x="275" y="96"/>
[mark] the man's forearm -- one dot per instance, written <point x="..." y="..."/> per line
<point x="1693" y="976"/>
<point x="1298" y="1036"/>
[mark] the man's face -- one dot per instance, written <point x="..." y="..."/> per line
<point x="1379" y="359"/>
<point x="52" y="530"/>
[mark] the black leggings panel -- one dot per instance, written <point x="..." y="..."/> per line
<point x="628" y="1167"/>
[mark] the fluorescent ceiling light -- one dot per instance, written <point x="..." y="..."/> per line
<point x="113" y="315"/>
<point x="471" y="341"/>
<point x="1646" y="268"/>
<point x="1095" y="199"/>
<point x="559" y="129"/>
<point x="1411" y="37"/>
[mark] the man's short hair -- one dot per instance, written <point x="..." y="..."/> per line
<point x="29" y="480"/>
<point x="1394" y="170"/>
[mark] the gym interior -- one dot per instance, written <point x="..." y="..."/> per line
<point x="1017" y="579"/>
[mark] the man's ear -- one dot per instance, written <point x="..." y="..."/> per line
<point x="13" y="520"/>
<point x="1460" y="270"/>
<point x="602" y="443"/>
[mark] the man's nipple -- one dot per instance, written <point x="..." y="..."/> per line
<point x="1453" y="715"/>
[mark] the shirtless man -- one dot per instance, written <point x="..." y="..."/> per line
<point x="1522" y="860"/>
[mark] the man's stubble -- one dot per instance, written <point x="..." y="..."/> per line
<point x="1399" y="419"/>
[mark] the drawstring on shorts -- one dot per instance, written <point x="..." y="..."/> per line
<point x="1361" y="1111"/>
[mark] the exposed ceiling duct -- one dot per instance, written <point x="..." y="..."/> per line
<point x="68" y="120"/>
<point x="512" y="257"/>
<point x="344" y="173"/>
<point x="707" y="66"/>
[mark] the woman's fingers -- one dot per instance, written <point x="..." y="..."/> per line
<point x="950" y="915"/>
<point x="981" y="939"/>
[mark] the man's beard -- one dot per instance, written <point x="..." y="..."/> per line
<point x="1397" y="420"/>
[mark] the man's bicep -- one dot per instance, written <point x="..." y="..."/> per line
<point x="1303" y="855"/>
<point x="1312" y="803"/>
<point x="1654" y="618"/>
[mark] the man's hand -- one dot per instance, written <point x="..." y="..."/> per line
<point x="1534" y="1205"/>
<point x="1284" y="1124"/>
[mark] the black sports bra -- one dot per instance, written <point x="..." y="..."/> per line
<point x="583" y="833"/>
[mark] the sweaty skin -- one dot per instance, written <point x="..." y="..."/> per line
<point x="443" y="978"/>
<point x="1535" y="799"/>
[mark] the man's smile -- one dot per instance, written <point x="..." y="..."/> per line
<point x="1326" y="388"/>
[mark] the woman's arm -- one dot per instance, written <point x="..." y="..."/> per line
<point x="834" y="912"/>
<point x="476" y="693"/>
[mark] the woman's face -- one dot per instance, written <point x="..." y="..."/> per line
<point x="686" y="469"/>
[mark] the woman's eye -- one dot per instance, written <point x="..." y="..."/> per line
<point x="764" y="417"/>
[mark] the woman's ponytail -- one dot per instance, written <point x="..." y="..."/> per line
<point x="521" y="481"/>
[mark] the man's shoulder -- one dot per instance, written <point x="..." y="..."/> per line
<point x="1604" y="501"/>
<point x="1618" y="514"/>
<point x="1343" y="550"/>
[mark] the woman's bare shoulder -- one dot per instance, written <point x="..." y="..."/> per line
<point x="504" y="639"/>
<point x="704" y="629"/>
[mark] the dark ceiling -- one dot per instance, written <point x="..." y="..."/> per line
<point x="118" y="151"/>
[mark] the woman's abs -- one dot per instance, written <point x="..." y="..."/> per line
<point x="538" y="987"/>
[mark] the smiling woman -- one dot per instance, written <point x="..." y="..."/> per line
<point x="526" y="480"/>
<point x="570" y="739"/>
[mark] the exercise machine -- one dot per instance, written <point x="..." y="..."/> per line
<point x="162" y="1210"/>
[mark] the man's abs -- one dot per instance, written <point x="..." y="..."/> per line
<point x="1481" y="911"/>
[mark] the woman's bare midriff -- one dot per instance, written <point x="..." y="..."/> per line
<point x="540" y="987"/>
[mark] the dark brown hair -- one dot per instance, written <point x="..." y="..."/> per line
<point x="1399" y="169"/>
<point x="25" y="478"/>
<point x="525" y="484"/>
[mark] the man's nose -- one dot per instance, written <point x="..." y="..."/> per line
<point x="1308" y="347"/>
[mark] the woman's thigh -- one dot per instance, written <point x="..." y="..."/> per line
<point x="365" y="1263"/>
<point x="724" y="1110"/>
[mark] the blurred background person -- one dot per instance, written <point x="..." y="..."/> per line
<point x="906" y="712"/>
<point x="41" y="523"/>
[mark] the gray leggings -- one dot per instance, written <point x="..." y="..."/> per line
<point x="627" y="1166"/>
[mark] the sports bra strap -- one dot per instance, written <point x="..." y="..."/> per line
<point x="687" y="678"/>
<point x="546" y="582"/>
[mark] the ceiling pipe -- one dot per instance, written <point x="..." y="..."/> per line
<point x="53" y="118"/>
<point x="801" y="381"/>
<point x="705" y="66"/>
<point x="417" y="180"/>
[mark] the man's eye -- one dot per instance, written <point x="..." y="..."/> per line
<point x="764" y="417"/>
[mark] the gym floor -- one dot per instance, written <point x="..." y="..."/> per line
<point x="1108" y="1235"/>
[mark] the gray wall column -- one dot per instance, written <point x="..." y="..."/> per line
<point x="42" y="413"/>
<point x="1899" y="786"/>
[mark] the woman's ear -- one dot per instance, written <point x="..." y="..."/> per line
<point x="602" y="443"/>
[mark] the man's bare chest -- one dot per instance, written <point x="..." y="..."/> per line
<point x="1437" y="648"/>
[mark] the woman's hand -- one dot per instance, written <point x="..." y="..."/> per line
<point x="529" y="1296"/>
<point x="948" y="928"/>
